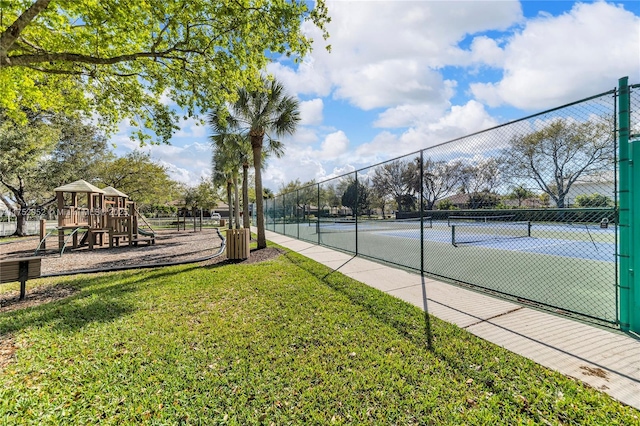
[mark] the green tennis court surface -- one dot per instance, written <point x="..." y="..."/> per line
<point x="571" y="267"/>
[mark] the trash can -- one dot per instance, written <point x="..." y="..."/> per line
<point x="238" y="241"/>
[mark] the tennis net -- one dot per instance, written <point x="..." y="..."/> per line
<point x="372" y="225"/>
<point x="470" y="232"/>
<point x="480" y="219"/>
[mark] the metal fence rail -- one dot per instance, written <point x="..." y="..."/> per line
<point x="527" y="210"/>
<point x="32" y="227"/>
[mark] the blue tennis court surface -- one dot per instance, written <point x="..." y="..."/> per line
<point x="604" y="252"/>
<point x="600" y="251"/>
<point x="582" y="246"/>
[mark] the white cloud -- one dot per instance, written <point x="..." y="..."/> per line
<point x="305" y="80"/>
<point x="296" y="165"/>
<point x="485" y="50"/>
<point x="165" y="98"/>
<point x="391" y="82"/>
<point x="311" y="112"/>
<point x="185" y="163"/>
<point x="406" y="115"/>
<point x="191" y="128"/>
<point x="307" y="163"/>
<point x="334" y="145"/>
<point x="386" y="54"/>
<point x="556" y="60"/>
<point x="459" y="121"/>
<point x="303" y="136"/>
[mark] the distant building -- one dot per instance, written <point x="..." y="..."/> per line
<point x="602" y="184"/>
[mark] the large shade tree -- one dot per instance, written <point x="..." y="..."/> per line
<point x="479" y="179"/>
<point x="201" y="196"/>
<point x="262" y="114"/>
<point x="394" y="179"/>
<point x="136" y="174"/>
<point x="123" y="59"/>
<point x="558" y="154"/>
<point x="356" y="197"/>
<point x="47" y="151"/>
<point x="23" y="148"/>
<point x="439" y="179"/>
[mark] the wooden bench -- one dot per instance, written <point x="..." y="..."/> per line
<point x="20" y="269"/>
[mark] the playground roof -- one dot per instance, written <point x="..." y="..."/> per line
<point x="79" y="186"/>
<point x="110" y="191"/>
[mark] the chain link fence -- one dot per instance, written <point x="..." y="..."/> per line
<point x="525" y="210"/>
<point x="32" y="227"/>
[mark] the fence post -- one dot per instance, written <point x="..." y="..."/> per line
<point x="629" y="166"/>
<point x="43" y="233"/>
<point x="421" y="212"/>
<point x="356" y="211"/>
<point x="318" y="218"/>
<point x="297" y="216"/>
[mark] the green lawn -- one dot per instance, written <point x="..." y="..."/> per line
<point x="281" y="342"/>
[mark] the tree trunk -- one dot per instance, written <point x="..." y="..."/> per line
<point x="256" y="146"/>
<point x="236" y="203"/>
<point x="246" y="220"/>
<point x="21" y="222"/>
<point x="20" y="207"/>
<point x="229" y="225"/>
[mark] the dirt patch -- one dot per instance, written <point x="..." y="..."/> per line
<point x="7" y="350"/>
<point x="596" y="372"/>
<point x="10" y="301"/>
<point x="171" y="246"/>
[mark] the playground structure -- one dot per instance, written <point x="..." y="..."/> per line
<point x="97" y="214"/>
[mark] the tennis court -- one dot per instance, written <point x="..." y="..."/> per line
<point x="575" y="241"/>
<point x="539" y="209"/>
<point x="561" y="265"/>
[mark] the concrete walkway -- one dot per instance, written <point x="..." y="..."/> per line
<point x="605" y="359"/>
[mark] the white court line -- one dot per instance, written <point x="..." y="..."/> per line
<point x="541" y="245"/>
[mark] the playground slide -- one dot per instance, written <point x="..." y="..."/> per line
<point x="146" y="233"/>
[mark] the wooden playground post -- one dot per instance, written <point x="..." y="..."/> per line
<point x="43" y="232"/>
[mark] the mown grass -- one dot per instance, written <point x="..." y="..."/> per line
<point x="281" y="342"/>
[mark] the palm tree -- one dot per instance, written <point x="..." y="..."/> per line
<point x="225" y="167"/>
<point x="258" y="114"/>
<point x="276" y="149"/>
<point x="239" y="147"/>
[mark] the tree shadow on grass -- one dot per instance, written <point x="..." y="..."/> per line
<point x="421" y="330"/>
<point x="100" y="299"/>
<point x="397" y="314"/>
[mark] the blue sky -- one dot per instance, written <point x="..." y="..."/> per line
<point x="405" y="75"/>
